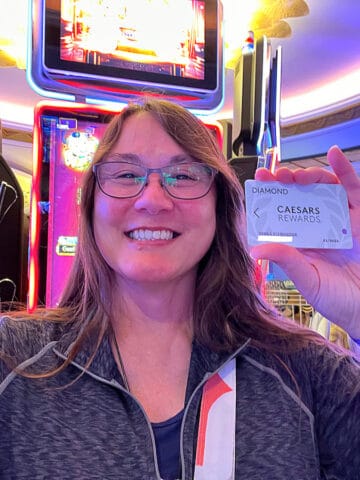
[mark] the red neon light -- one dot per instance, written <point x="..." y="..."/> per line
<point x="34" y="227"/>
<point x="127" y="91"/>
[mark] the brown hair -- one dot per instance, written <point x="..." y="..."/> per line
<point x="228" y="304"/>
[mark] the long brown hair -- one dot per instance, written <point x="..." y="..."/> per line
<point x="228" y="304"/>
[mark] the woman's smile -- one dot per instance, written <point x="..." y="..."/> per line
<point x="151" y="234"/>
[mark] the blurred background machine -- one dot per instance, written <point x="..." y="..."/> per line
<point x="13" y="237"/>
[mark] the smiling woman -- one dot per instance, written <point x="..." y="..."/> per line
<point x="163" y="360"/>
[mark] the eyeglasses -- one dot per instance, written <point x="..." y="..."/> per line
<point x="186" y="181"/>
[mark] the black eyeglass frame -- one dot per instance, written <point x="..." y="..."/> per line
<point x="213" y="172"/>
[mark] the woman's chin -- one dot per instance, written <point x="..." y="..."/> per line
<point x="152" y="275"/>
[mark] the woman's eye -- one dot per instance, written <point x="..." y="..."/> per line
<point x="187" y="176"/>
<point x="126" y="175"/>
<point x="183" y="176"/>
<point x="178" y="178"/>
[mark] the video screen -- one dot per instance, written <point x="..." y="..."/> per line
<point x="160" y="41"/>
<point x="166" y="37"/>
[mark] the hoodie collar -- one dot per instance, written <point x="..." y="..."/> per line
<point x="203" y="361"/>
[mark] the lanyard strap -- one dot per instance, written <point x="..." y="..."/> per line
<point x="215" y="452"/>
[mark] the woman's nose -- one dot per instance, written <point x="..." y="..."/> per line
<point x="154" y="197"/>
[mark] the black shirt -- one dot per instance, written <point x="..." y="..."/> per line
<point x="167" y="440"/>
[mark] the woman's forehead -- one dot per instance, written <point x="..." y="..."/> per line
<point x="143" y="135"/>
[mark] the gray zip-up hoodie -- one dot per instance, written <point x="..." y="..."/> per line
<point x="94" y="429"/>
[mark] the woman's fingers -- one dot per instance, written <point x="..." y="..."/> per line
<point x="296" y="266"/>
<point x="346" y="174"/>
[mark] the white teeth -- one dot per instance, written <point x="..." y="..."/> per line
<point x="141" y="234"/>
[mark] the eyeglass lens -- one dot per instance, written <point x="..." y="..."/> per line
<point x="184" y="180"/>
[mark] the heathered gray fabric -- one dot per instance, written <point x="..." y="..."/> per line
<point x="93" y="429"/>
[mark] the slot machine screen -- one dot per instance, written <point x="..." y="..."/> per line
<point x="74" y="144"/>
<point x="65" y="141"/>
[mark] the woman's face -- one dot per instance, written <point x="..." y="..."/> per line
<point x="177" y="232"/>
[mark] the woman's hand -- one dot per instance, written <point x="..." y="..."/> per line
<point x="328" y="279"/>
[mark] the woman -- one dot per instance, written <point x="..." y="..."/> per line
<point x="163" y="360"/>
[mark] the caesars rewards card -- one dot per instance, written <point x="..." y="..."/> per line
<point x="304" y="216"/>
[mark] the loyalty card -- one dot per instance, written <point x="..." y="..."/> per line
<point x="306" y="216"/>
